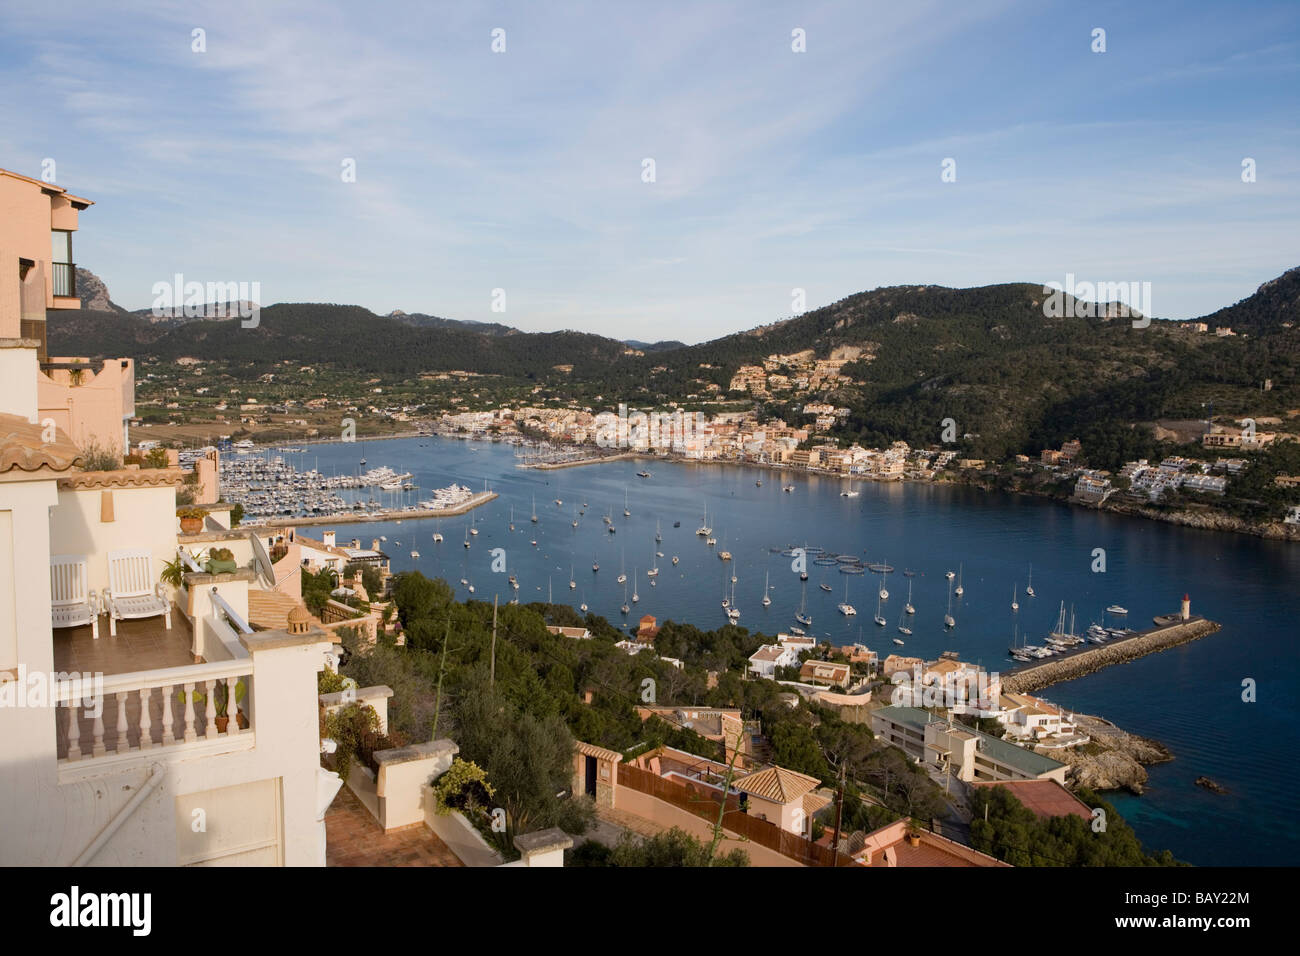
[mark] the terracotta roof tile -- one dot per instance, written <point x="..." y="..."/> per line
<point x="777" y="784"/>
<point x="23" y="448"/>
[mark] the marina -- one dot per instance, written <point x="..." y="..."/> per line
<point x="924" y="530"/>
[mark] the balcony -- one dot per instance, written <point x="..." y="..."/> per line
<point x="63" y="277"/>
<point x="142" y="691"/>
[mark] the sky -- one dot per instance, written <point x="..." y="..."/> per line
<point x="524" y="169"/>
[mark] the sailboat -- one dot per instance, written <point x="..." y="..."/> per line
<point x="767" y="600"/>
<point x="622" y="574"/>
<point x="572" y="582"/>
<point x="909" y="609"/>
<point x="624" y="609"/>
<point x="654" y="568"/>
<point x="1015" y="605"/>
<point x="733" y="612"/>
<point x="534" y="518"/>
<point x="803" y="617"/>
<point x="595" y="565"/>
<point x="626" y="512"/>
<point x="437" y="535"/>
<point x="959" y="591"/>
<point x="512" y="517"/>
<point x="947" y="618"/>
<point x="850" y="493"/>
<point x="472" y="530"/>
<point x="635" y="597"/>
<point x="466" y="536"/>
<point x="659" y="535"/>
<point x="575" y="517"/>
<point x="879" y="620"/>
<point x="846" y="608"/>
<point x="1029" y="588"/>
<point x="823" y="585"/>
<point x="704" y="530"/>
<point x="903" y="628"/>
<point x="884" y="595"/>
<point x="583" y="606"/>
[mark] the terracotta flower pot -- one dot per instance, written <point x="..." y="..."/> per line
<point x="222" y="724"/>
<point x="191" y="525"/>
<point x="914" y="839"/>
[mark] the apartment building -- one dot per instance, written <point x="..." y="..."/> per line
<point x="967" y="754"/>
<point x="141" y="723"/>
<point x="38" y="276"/>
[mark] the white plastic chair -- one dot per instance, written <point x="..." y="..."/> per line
<point x="132" y="591"/>
<point x="72" y="604"/>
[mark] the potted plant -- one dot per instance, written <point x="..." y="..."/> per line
<point x="221" y="699"/>
<point x="913" y="833"/>
<point x="221" y="561"/>
<point x="173" y="572"/>
<point x="191" y="519"/>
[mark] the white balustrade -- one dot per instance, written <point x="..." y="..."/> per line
<point x="146" y="716"/>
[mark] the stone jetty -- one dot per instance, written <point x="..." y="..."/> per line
<point x="1169" y="631"/>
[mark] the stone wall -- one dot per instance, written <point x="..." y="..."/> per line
<point x="1034" y="678"/>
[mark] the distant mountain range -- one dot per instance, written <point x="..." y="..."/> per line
<point x="986" y="357"/>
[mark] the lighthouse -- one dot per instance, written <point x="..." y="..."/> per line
<point x="1186" y="611"/>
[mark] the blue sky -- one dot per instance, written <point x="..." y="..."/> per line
<point x="775" y="170"/>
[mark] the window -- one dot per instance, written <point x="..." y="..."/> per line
<point x="62" y="246"/>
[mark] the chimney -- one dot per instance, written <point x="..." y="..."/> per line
<point x="374" y="544"/>
<point x="1187" y="608"/>
<point x="328" y="538"/>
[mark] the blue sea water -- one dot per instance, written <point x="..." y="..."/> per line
<point x="1190" y="698"/>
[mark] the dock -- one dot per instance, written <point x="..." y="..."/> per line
<point x="408" y="514"/>
<point x="1169" y="631"/>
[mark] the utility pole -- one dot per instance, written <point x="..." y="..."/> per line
<point x="492" y="679"/>
<point x="442" y="669"/>
<point x="839" y="817"/>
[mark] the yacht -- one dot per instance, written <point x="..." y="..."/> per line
<point x="846" y="608"/>
<point x="898" y="641"/>
<point x="788" y="488"/>
<point x="767" y="600"/>
<point x="1116" y="609"/>
<point x="414" y="553"/>
<point x="903" y="628"/>
<point x="1015" y="605"/>
<point x="879" y="620"/>
<point x="534" y="517"/>
<point x="959" y="590"/>
<point x="803" y="617"/>
<point x="908" y="608"/>
<point x="674" y="559"/>
<point x="949" y="575"/>
<point x="635" y="597"/>
<point x="1029" y="588"/>
<point x="884" y="595"/>
<point x="947" y="618"/>
<point x="626" y="512"/>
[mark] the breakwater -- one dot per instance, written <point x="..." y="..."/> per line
<point x="1037" y="676"/>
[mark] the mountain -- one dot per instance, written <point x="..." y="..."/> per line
<point x="93" y="293"/>
<point x="666" y="346"/>
<point x="1010" y="377"/>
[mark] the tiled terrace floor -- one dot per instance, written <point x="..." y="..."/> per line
<point x="355" y="838"/>
<point x="141" y="645"/>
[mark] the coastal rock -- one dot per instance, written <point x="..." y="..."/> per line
<point x="1210" y="785"/>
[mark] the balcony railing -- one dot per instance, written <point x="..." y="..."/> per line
<point x="154" y="710"/>
<point x="64" y="277"/>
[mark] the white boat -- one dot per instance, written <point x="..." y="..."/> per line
<point x="767" y="600"/>
<point x="884" y="595"/>
<point x="903" y="628"/>
<point x="846" y="608"/>
<point x="850" y="493"/>
<point x="635" y="597"/>
<point x="803" y="617"/>
<point x="1015" y="605"/>
<point x="572" y="583"/>
<point x="897" y="641"/>
<point x="879" y="620"/>
<point x="950" y="574"/>
<point x="534" y="518"/>
<point x="626" y="512"/>
<point x="437" y="537"/>
<point x="414" y="553"/>
<point x="1029" y="588"/>
<point x="947" y="618"/>
<point x="788" y="488"/>
<point x="959" y="590"/>
<point x="1116" y="609"/>
<point x="908" y="608"/>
